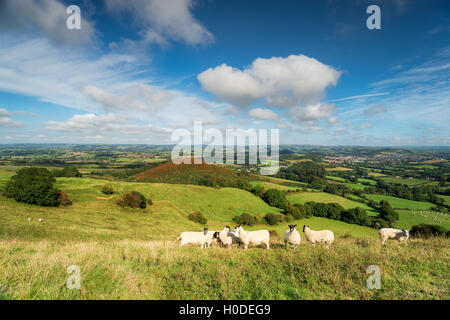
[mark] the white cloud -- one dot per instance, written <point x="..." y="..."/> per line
<point x="313" y="112"/>
<point x="264" y="114"/>
<point x="281" y="82"/>
<point x="164" y="20"/>
<point x="6" y="121"/>
<point x="375" y="109"/>
<point x="46" y="17"/>
<point x="364" y="125"/>
<point x="333" y="120"/>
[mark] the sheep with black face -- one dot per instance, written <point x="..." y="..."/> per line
<point x="292" y="237"/>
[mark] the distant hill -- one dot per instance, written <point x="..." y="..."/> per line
<point x="198" y="174"/>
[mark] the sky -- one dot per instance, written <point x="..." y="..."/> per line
<point x="139" y="69"/>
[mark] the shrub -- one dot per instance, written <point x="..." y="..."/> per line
<point x="107" y="189"/>
<point x="258" y="190"/>
<point x="63" y="199"/>
<point x="68" y="172"/>
<point x="198" y="217"/>
<point x="149" y="202"/>
<point x="273" y="218"/>
<point x="275" y="198"/>
<point x="274" y="234"/>
<point x="132" y="199"/>
<point x="33" y="186"/>
<point x="245" y="219"/>
<point x="427" y="231"/>
<point x="294" y="211"/>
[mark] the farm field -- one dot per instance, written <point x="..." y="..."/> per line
<point x="132" y="254"/>
<point x="328" y="198"/>
<point x="409" y="218"/>
<point x="409" y="182"/>
<point x="399" y="203"/>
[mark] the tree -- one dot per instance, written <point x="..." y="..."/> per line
<point x="275" y="198"/>
<point x="33" y="186"/>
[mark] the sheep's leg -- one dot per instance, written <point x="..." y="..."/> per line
<point x="246" y="247"/>
<point x="267" y="244"/>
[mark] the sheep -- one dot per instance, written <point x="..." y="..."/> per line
<point x="390" y="233"/>
<point x="226" y="237"/>
<point x="29" y="219"/>
<point x="323" y="236"/>
<point x="197" y="238"/>
<point x="40" y="220"/>
<point x="252" y="237"/>
<point x="292" y="237"/>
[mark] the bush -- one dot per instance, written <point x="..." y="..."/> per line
<point x="33" y="186"/>
<point x="68" y="172"/>
<point x="427" y="231"/>
<point x="294" y="211"/>
<point x="198" y="217"/>
<point x="273" y="234"/>
<point x="107" y="189"/>
<point x="245" y="219"/>
<point x="273" y="218"/>
<point x="275" y="198"/>
<point x="132" y="199"/>
<point x="63" y="199"/>
<point x="150" y="202"/>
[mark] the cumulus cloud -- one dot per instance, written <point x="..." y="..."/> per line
<point x="333" y="120"/>
<point x="313" y="112"/>
<point x="104" y="125"/>
<point x="6" y="121"/>
<point x="263" y="114"/>
<point x="164" y="20"/>
<point x="47" y="17"/>
<point x="364" y="125"/>
<point x="281" y="82"/>
<point x="375" y="109"/>
<point x="143" y="97"/>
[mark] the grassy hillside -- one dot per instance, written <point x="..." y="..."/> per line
<point x="132" y="254"/>
<point x="186" y="173"/>
<point x="324" y="197"/>
<point x="399" y="203"/>
<point x="408" y="218"/>
<point x="132" y="269"/>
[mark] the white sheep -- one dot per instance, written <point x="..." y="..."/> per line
<point x="292" y="236"/>
<point x="394" y="234"/>
<point x="226" y="237"/>
<point x="203" y="239"/>
<point x="322" y="236"/>
<point x="252" y="237"/>
<point x="40" y="220"/>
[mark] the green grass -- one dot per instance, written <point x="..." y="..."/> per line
<point x="324" y="197"/>
<point x="132" y="254"/>
<point x="446" y="198"/>
<point x="399" y="203"/>
<point x="131" y="269"/>
<point x="409" y="218"/>
<point x="335" y="178"/>
<point x="409" y="182"/>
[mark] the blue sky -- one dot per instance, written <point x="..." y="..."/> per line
<point x="137" y="70"/>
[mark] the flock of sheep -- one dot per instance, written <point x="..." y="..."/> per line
<point x="239" y="236"/>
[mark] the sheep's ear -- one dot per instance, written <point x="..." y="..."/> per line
<point x="295" y="225"/>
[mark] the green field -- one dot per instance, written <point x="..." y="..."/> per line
<point x="409" y="182"/>
<point x="335" y="178"/>
<point x="324" y="197"/>
<point x="132" y="254"/>
<point x="409" y="218"/>
<point x="399" y="203"/>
